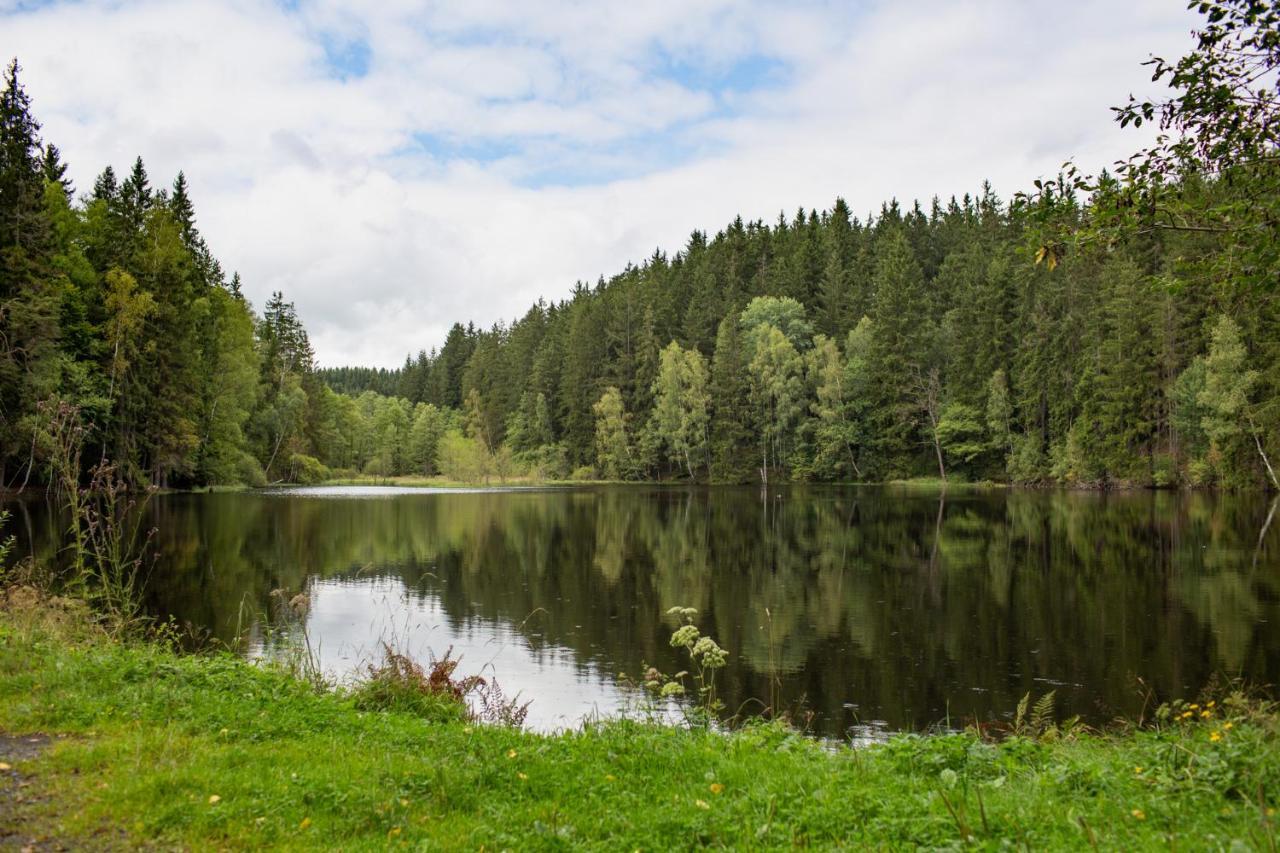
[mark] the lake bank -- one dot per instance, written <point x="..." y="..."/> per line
<point x="154" y="747"/>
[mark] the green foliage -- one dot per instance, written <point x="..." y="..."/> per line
<point x="776" y="372"/>
<point x="1066" y="337"/>
<point x="209" y="750"/>
<point x="784" y="314"/>
<point x="613" y="448"/>
<point x="681" y="406"/>
<point x="307" y="470"/>
<point x="464" y="459"/>
<point x="962" y="434"/>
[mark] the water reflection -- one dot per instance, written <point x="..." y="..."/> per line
<point x="869" y="604"/>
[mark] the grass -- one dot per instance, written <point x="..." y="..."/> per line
<point x="158" y="748"/>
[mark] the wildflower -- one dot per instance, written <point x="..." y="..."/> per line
<point x="404" y="803"/>
<point x="393" y="832"/>
<point x="522" y="776"/>
<point x="1137" y="770"/>
<point x="712" y="655"/>
<point x="685" y="635"/>
<point x="4" y="766"/>
<point x="1226" y="727"/>
<point x="1138" y="814"/>
<point x="702" y="804"/>
<point x="1271" y="812"/>
<point x="1211" y="704"/>
<point x="1205" y="714"/>
<point x="717" y="788"/>
<point x="1193" y="706"/>
<point x="1215" y="737"/>
<point x="1184" y="715"/>
<point x="306" y="821"/>
<point x="214" y="800"/>
<point x="511" y="753"/>
<point x="672" y="688"/>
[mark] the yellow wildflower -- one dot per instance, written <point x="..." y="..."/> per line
<point x="306" y="821"/>
<point x="1211" y="704"/>
<point x="511" y="753"/>
<point x="1193" y="706"/>
<point x="1206" y="713"/>
<point x="717" y="788"/>
<point x="1215" y="737"/>
<point x="214" y="800"/>
<point x="522" y="776"/>
<point x="702" y="804"/>
<point x="393" y="832"/>
<point x="1137" y="770"/>
<point x="1139" y="814"/>
<point x="609" y="777"/>
<point x="1226" y="727"/>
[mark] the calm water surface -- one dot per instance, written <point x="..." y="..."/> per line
<point x="880" y="607"/>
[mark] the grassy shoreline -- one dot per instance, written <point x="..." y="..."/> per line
<point x="152" y="747"/>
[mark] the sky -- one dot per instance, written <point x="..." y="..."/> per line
<point x="395" y="167"/>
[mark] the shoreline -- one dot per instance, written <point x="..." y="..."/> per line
<point x="149" y="746"/>
<point x="920" y="483"/>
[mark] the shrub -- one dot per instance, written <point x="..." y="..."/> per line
<point x="307" y="470"/>
<point x="400" y="684"/>
<point x="249" y="471"/>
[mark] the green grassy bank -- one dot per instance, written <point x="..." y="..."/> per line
<point x="152" y="747"/>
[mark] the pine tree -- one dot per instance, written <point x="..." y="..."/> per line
<point x="731" y="436"/>
<point x="55" y="171"/>
<point x="29" y="295"/>
<point x="903" y="344"/>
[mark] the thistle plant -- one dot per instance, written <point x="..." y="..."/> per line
<point x="704" y="653"/>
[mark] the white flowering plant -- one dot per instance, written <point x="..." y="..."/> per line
<point x="706" y="656"/>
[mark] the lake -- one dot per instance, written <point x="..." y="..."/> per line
<point x="874" y="608"/>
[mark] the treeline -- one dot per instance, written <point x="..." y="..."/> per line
<point x="920" y="342"/>
<point x="962" y="339"/>
<point x="113" y="308"/>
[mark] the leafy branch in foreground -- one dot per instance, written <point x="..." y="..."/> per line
<point x="1214" y="168"/>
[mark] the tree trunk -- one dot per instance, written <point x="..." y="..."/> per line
<point x="853" y="460"/>
<point x="937" y="448"/>
<point x="1265" y="461"/>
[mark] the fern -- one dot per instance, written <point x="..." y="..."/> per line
<point x="1042" y="714"/>
<point x="1021" y="715"/>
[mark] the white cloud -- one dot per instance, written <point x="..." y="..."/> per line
<point x="391" y="203"/>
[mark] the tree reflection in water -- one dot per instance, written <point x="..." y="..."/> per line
<point x="887" y="604"/>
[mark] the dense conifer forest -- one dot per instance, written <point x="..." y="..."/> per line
<point x="1118" y="330"/>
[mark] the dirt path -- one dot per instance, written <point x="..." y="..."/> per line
<point x="24" y="816"/>
<point x="15" y="796"/>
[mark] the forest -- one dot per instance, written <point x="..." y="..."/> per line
<point x="1109" y="331"/>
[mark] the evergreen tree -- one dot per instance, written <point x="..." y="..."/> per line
<point x="731" y="436"/>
